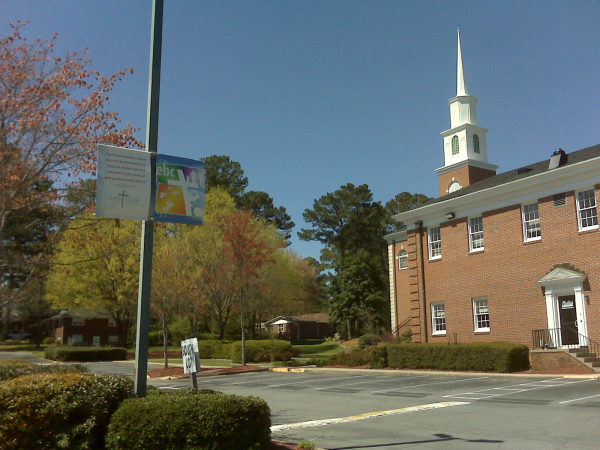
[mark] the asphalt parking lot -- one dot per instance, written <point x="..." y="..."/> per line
<point x="399" y="410"/>
<point x="422" y="411"/>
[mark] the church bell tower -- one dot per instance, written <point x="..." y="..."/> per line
<point x="465" y="143"/>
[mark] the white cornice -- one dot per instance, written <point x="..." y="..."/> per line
<point x="462" y="127"/>
<point x="464" y="163"/>
<point x="568" y="178"/>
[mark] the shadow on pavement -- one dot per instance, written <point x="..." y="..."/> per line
<point x="439" y="438"/>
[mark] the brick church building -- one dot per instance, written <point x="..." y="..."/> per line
<point x="511" y="257"/>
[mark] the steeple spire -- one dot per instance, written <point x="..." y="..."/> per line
<point x="461" y="84"/>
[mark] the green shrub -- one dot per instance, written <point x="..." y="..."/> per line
<point x="13" y="368"/>
<point x="262" y="351"/>
<point x="368" y="339"/>
<point x="85" y="353"/>
<point x="189" y="419"/>
<point x="59" y="410"/>
<point x="214" y="349"/>
<point x="484" y="357"/>
<point x="306" y="445"/>
<point x="374" y="357"/>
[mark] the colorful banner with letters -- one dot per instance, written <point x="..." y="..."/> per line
<point x="180" y="190"/>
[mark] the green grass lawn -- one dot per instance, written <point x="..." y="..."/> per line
<point x="320" y="351"/>
<point x="19" y="347"/>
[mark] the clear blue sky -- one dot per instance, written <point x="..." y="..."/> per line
<point x="311" y="95"/>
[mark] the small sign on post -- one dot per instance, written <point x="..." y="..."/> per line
<point x="191" y="359"/>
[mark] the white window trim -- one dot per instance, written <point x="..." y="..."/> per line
<point x="434" y="332"/>
<point x="404" y="256"/>
<point x="581" y="228"/>
<point x="78" y="322"/>
<point x="524" y="222"/>
<point x="280" y="328"/>
<point x="112" y="323"/>
<point x="475" y="327"/>
<point x="471" y="249"/>
<point x="430" y="242"/>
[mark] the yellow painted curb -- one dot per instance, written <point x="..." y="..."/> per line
<point x="278" y="369"/>
<point x="297" y="370"/>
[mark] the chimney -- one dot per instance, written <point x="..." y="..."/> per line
<point x="559" y="158"/>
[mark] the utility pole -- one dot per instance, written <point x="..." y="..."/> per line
<point x="145" y="283"/>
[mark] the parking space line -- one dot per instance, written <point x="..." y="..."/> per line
<point x="318" y="423"/>
<point x="319" y="379"/>
<point x="370" y="381"/>
<point x="577" y="399"/>
<point x="518" y="388"/>
<point x="429" y="384"/>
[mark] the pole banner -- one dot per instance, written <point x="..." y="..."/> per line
<point x="180" y="190"/>
<point x="123" y="183"/>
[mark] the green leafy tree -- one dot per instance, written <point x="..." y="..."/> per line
<point x="261" y="204"/>
<point x="404" y="201"/>
<point x="222" y="172"/>
<point x="96" y="266"/>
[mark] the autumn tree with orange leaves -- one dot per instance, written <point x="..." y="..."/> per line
<point x="53" y="114"/>
<point x="249" y="247"/>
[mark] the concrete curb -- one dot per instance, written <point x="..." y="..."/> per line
<point x="426" y="372"/>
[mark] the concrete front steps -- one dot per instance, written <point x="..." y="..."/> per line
<point x="585" y="356"/>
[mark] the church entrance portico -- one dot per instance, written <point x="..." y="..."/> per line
<point x="565" y="308"/>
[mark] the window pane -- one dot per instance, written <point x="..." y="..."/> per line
<point x="438" y="313"/>
<point x="476" y="233"/>
<point x="402" y="260"/>
<point x="455" y="145"/>
<point x="482" y="314"/>
<point x="586" y="207"/>
<point x="435" y="243"/>
<point x="531" y="222"/>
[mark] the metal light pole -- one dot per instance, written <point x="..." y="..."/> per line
<point x="145" y="283"/>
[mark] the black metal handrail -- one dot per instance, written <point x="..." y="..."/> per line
<point x="564" y="337"/>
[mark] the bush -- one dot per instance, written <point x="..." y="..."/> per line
<point x="199" y="420"/>
<point x="85" y="353"/>
<point x="214" y="349"/>
<point x="374" y="357"/>
<point x="484" y="357"/>
<point x="59" y="410"/>
<point x="10" y="368"/>
<point x="368" y="339"/>
<point x="262" y="351"/>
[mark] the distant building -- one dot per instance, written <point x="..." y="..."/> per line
<point x="307" y="326"/>
<point x="81" y="327"/>
<point x="500" y="257"/>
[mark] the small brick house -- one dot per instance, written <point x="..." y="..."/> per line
<point x="500" y="257"/>
<point x="81" y="327"/>
<point x="306" y="326"/>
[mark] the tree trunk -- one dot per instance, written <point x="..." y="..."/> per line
<point x="349" y="325"/>
<point x="166" y="346"/>
<point x="243" y="331"/>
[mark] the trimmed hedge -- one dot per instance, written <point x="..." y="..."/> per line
<point x="368" y="339"/>
<point x="262" y="351"/>
<point x="199" y="420"/>
<point x="214" y="349"/>
<point x="307" y="341"/>
<point x="53" y="411"/>
<point x="484" y="357"/>
<point x="374" y="357"/>
<point x="12" y="368"/>
<point x="83" y="354"/>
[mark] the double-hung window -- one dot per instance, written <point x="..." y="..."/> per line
<point x="78" y="322"/>
<point x="402" y="260"/>
<point x="435" y="242"/>
<point x="587" y="212"/>
<point x="481" y="314"/>
<point x="531" y="222"/>
<point x="280" y="328"/>
<point x="438" y="318"/>
<point x="476" y="234"/>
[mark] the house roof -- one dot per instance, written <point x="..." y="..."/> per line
<point x="81" y="313"/>
<point x="315" y="317"/>
<point x="520" y="173"/>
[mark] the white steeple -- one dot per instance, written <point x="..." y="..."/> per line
<point x="465" y="143"/>
<point x="461" y="84"/>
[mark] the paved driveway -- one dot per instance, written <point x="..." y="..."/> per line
<point x="423" y="411"/>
